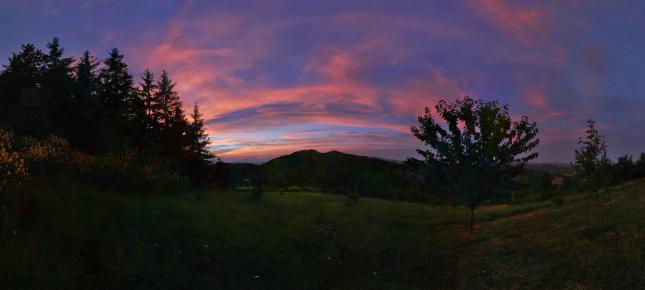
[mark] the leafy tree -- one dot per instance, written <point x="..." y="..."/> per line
<point x="593" y="168"/>
<point x="478" y="150"/>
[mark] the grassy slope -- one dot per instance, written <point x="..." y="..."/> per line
<point x="557" y="248"/>
<point x="73" y="235"/>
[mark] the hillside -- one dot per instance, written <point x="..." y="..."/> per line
<point x="336" y="172"/>
<point x="342" y="173"/>
<point x="331" y="172"/>
<point x="66" y="235"/>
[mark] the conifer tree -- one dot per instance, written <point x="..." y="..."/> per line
<point x="85" y="131"/>
<point x="147" y="93"/>
<point x="20" y="92"/>
<point x="199" y="140"/>
<point x="116" y="84"/>
<point x="57" y="89"/>
<point x="168" y="102"/>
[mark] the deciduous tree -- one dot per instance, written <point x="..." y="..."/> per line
<point x="478" y="148"/>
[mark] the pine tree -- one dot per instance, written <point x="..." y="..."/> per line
<point x="168" y="102"/>
<point x="57" y="90"/>
<point x="86" y="129"/>
<point x="147" y="93"/>
<point x="117" y="96"/>
<point x="199" y="140"/>
<point x="116" y="84"/>
<point x="20" y="93"/>
<point x="87" y="82"/>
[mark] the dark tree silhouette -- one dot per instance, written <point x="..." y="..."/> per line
<point x="640" y="165"/>
<point x="199" y="140"/>
<point x="95" y="106"/>
<point x="20" y="93"/>
<point x="86" y="131"/>
<point x="116" y="92"/>
<point x="147" y="92"/>
<point x="478" y="150"/>
<point x="624" y="169"/>
<point x="593" y="167"/>
<point x="57" y="89"/>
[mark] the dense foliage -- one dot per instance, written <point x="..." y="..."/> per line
<point x="478" y="150"/>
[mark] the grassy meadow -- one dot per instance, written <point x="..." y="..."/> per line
<point x="71" y="235"/>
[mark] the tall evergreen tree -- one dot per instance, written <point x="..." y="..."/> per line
<point x="116" y="94"/>
<point x="199" y="140"/>
<point x="147" y="93"/>
<point x="57" y="89"/>
<point x="116" y="84"/>
<point x="21" y="106"/>
<point x="87" y="82"/>
<point x="168" y="102"/>
<point x="170" y="117"/>
<point x="86" y="128"/>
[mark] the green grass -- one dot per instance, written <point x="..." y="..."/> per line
<point x="70" y="235"/>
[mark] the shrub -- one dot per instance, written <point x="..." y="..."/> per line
<point x="13" y="167"/>
<point x="50" y="154"/>
<point x="81" y="162"/>
<point x="162" y="178"/>
<point x="127" y="170"/>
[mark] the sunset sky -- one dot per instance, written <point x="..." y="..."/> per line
<point x="273" y="77"/>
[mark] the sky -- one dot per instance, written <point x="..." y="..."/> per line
<point x="273" y="77"/>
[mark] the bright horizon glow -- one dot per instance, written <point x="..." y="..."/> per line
<point x="273" y="77"/>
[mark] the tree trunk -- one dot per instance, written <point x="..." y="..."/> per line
<point x="472" y="214"/>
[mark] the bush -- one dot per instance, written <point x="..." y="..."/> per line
<point x="81" y="162"/>
<point x="162" y="178"/>
<point x="13" y="167"/>
<point x="51" y="154"/>
<point x="126" y="170"/>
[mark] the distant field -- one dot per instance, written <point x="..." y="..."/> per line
<point x="75" y="236"/>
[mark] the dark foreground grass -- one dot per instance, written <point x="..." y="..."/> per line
<point x="71" y="236"/>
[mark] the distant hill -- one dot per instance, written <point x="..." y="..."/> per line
<point x="333" y="171"/>
<point x="342" y="173"/>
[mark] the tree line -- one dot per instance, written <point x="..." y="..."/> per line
<point x="101" y="108"/>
